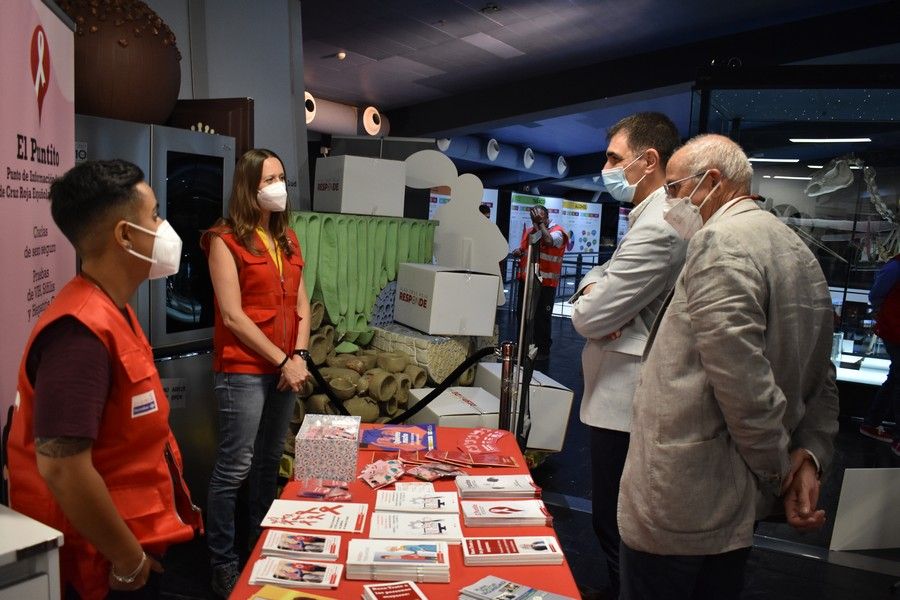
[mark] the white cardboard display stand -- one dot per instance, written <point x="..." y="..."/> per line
<point x="866" y="517"/>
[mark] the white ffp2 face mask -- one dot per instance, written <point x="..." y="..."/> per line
<point x="166" y="253"/>
<point x="273" y="197"/>
<point x="683" y="215"/>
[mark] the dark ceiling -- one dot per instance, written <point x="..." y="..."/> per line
<point x="554" y="74"/>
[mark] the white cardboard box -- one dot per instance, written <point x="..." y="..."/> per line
<point x="442" y="301"/>
<point x="360" y="185"/>
<point x="550" y="403"/>
<point x="457" y="407"/>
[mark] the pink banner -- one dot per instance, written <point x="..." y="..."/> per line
<point x="37" y="144"/>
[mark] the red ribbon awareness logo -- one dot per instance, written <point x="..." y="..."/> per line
<point x="40" y="66"/>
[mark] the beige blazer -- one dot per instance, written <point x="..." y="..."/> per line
<point x="628" y="292"/>
<point x="737" y="373"/>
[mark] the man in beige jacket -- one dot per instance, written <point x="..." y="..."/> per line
<point x="736" y="408"/>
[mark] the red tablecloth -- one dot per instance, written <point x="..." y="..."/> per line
<point x="551" y="578"/>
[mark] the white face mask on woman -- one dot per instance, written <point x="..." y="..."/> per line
<point x="166" y="255"/>
<point x="682" y="214"/>
<point x="273" y="197"/>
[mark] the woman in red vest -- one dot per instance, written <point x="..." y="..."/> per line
<point x="90" y="450"/>
<point x="260" y="338"/>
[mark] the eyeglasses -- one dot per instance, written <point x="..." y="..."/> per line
<point x="672" y="188"/>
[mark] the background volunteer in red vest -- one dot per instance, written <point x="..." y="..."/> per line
<point x="90" y="450"/>
<point x="885" y="300"/>
<point x="260" y="338"/>
<point x="553" y="240"/>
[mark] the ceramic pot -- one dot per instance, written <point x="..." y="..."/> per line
<point x="382" y="385"/>
<point x="316" y="315"/>
<point x="363" y="407"/>
<point x="393" y="362"/>
<point x="342" y="388"/>
<point x="417" y="376"/>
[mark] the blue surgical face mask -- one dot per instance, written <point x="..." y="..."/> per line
<point x="617" y="184"/>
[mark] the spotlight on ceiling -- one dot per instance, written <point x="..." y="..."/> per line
<point x="858" y="140"/>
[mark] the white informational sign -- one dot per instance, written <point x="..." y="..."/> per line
<point x="37" y="144"/>
<point x="581" y="220"/>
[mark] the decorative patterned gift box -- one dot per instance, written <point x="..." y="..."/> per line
<point x="326" y="446"/>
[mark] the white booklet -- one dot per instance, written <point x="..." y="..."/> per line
<point x="416" y="501"/>
<point x="505" y="512"/>
<point x="496" y="588"/>
<point x="517" y="550"/>
<point x="309" y="546"/>
<point x="394" y="554"/>
<point x="321" y="516"/>
<point x="295" y="573"/>
<point x="495" y="486"/>
<point x="416" y="526"/>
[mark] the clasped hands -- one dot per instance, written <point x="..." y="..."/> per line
<point x="293" y="374"/>
<point x="800" y="493"/>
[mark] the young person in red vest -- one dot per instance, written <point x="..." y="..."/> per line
<point x="553" y="241"/>
<point x="885" y="299"/>
<point x="261" y="336"/>
<point x="90" y="450"/>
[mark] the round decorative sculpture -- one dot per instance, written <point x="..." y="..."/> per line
<point x="126" y="61"/>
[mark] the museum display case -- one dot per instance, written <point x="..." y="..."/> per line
<point x="825" y="147"/>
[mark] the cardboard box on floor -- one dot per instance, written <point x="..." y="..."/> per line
<point x="549" y="400"/>
<point x="360" y="185"/>
<point x="457" y="407"/>
<point x="442" y="301"/>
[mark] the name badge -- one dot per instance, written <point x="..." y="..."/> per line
<point x="143" y="404"/>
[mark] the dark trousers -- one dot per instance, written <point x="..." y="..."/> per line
<point x="608" y="451"/>
<point x="886" y="403"/>
<point x="543" y="302"/>
<point x="654" y="577"/>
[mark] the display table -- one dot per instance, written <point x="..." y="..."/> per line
<point x="551" y="578"/>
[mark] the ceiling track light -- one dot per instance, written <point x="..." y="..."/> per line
<point x="859" y="140"/>
<point x="774" y="160"/>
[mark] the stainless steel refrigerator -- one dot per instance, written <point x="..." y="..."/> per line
<point x="190" y="173"/>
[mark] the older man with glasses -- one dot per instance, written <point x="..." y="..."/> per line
<point x="736" y="409"/>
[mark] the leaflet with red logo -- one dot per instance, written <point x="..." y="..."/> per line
<point x="499" y="513"/>
<point x="519" y="550"/>
<point x="318" y="516"/>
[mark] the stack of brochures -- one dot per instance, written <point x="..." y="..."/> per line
<point x="493" y="588"/>
<point x="398" y="560"/>
<point x="416" y="501"/>
<point x="505" y="513"/>
<point x="291" y="572"/>
<point x="308" y="546"/>
<point x="497" y="486"/>
<point x="517" y="550"/>
<point x="444" y="527"/>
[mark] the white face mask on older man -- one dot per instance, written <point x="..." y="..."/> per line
<point x="682" y="214"/>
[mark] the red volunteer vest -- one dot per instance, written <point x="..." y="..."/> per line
<point x="135" y="452"/>
<point x="269" y="299"/>
<point x="549" y="261"/>
<point x="887" y="321"/>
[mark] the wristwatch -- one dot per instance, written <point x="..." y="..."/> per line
<point x="302" y="353"/>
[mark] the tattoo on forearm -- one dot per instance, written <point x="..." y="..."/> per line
<point x="61" y="447"/>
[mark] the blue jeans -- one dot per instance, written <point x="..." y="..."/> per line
<point x="253" y="422"/>
<point x="886" y="403"/>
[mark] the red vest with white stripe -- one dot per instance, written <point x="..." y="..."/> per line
<point x="134" y="453"/>
<point x="549" y="261"/>
<point x="268" y="298"/>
